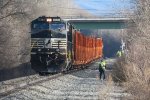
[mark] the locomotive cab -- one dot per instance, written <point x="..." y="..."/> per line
<point x="49" y="45"/>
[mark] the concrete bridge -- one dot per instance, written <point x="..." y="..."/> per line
<point x="98" y="23"/>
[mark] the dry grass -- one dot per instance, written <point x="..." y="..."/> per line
<point x="134" y="80"/>
<point x="134" y="69"/>
<point x="118" y="73"/>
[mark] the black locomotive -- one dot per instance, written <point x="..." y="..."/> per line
<point x="51" y="41"/>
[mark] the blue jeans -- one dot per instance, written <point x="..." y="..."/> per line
<point x="102" y="73"/>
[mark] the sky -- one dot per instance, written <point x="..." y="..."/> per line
<point x="98" y="7"/>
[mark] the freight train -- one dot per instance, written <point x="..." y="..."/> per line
<point x="56" y="46"/>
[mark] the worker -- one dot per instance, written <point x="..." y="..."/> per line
<point x="102" y="68"/>
<point x="119" y="53"/>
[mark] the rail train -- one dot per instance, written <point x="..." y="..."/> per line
<point x="56" y="46"/>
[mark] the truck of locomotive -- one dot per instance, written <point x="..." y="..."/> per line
<point x="56" y="46"/>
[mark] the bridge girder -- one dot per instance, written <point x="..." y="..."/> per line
<point x="108" y="23"/>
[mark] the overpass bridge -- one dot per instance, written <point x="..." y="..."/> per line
<point x="99" y="23"/>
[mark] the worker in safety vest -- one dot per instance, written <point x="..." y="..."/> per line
<point x="102" y="67"/>
<point x="119" y="53"/>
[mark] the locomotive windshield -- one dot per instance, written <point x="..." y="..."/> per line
<point x="48" y="34"/>
<point x="40" y="26"/>
<point x="56" y="26"/>
<point x="48" y="27"/>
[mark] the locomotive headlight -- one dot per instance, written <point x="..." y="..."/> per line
<point x="48" y="19"/>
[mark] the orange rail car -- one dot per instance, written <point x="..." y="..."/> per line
<point x="86" y="49"/>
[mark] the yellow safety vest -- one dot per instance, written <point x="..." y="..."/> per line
<point x="119" y="53"/>
<point x="103" y="64"/>
<point x="69" y="55"/>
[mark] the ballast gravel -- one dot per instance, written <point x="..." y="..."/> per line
<point x="81" y="85"/>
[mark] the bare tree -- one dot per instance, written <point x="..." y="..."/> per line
<point x="15" y="16"/>
<point x="135" y="64"/>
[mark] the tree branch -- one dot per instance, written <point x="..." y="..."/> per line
<point x="7" y="3"/>
<point x="12" y="14"/>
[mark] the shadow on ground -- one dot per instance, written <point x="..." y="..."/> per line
<point x="16" y="72"/>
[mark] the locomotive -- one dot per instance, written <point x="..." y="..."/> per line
<point x="56" y="46"/>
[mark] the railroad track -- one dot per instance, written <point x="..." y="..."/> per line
<point x="12" y="86"/>
<point x="16" y="87"/>
<point x="75" y="85"/>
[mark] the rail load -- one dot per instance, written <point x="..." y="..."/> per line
<point x="86" y="49"/>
